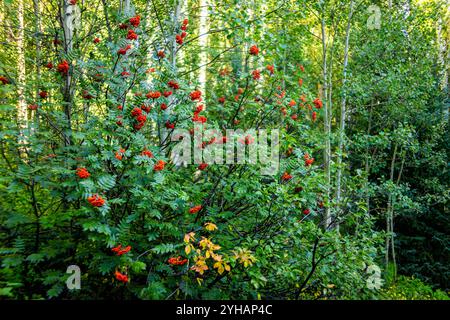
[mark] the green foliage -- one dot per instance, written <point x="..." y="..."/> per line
<point x="412" y="289"/>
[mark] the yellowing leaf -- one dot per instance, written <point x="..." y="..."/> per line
<point x="189" y="236"/>
<point x="218" y="265"/>
<point x="245" y="257"/>
<point x="210" y="226"/>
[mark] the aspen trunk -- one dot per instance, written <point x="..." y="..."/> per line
<point x="68" y="24"/>
<point x="367" y="162"/>
<point x="203" y="43"/>
<point x="343" y="112"/>
<point x="390" y="219"/>
<point x="327" y="149"/>
<point x="164" y="132"/>
<point x="443" y="62"/>
<point x="21" y="73"/>
<point x="38" y="32"/>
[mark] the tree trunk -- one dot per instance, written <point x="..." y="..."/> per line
<point x="442" y="49"/>
<point x="22" y="117"/>
<point x="38" y="33"/>
<point x="343" y="114"/>
<point x="327" y="149"/>
<point x="108" y="24"/>
<point x="390" y="219"/>
<point x="164" y="132"/>
<point x="203" y="44"/>
<point x="367" y="161"/>
<point x="67" y="92"/>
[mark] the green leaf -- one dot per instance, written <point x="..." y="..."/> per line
<point x="36" y="257"/>
<point x="106" y="182"/>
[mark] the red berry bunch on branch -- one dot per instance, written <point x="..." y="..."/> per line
<point x="180" y="37"/>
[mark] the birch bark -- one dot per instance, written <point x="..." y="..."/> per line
<point x="343" y="112"/>
<point x="21" y="72"/>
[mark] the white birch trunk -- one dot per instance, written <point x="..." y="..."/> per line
<point x="343" y="112"/>
<point x="443" y="63"/>
<point x="327" y="149"/>
<point x="164" y="135"/>
<point x="38" y="32"/>
<point x="203" y="44"/>
<point x="21" y="72"/>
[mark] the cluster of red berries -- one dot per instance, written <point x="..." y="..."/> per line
<point x="120" y="251"/>
<point x="202" y="166"/>
<point x="173" y="84"/>
<point x="308" y="160"/>
<point x="96" y="201"/>
<point x="139" y="117"/>
<point x="256" y="74"/>
<point x="123" y="51"/>
<point x="131" y="35"/>
<point x="254" y="50"/>
<point x="43" y="94"/>
<point x="135" y="21"/>
<point x="195" y="95"/>
<point x="161" y="54"/>
<point x="153" y="95"/>
<point x="146" y="108"/>
<point x="195" y="209"/>
<point x="247" y="140"/>
<point x="170" y="125"/>
<point x="119" y="154"/>
<point x="82" y="173"/>
<point x="286" y="176"/>
<point x="180" y="37"/>
<point x="63" y="67"/>
<point x="121" y="277"/>
<point x="239" y="92"/>
<point x="207" y="142"/>
<point x="4" y="80"/>
<point x="177" y="261"/>
<point x="197" y="117"/>
<point x="147" y="153"/>
<point x="318" y="103"/>
<point x="159" y="165"/>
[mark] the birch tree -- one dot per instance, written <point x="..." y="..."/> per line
<point x="203" y="44"/>
<point x="326" y="120"/>
<point x="343" y="110"/>
<point x="22" y="117"/>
